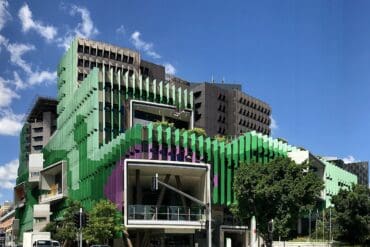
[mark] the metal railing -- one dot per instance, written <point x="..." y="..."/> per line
<point x="170" y="213"/>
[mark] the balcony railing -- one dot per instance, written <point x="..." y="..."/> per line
<point x="55" y="193"/>
<point x="165" y="213"/>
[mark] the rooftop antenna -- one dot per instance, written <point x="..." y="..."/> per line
<point x="212" y="80"/>
<point x="223" y="80"/>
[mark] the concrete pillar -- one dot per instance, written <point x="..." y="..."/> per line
<point x="139" y="196"/>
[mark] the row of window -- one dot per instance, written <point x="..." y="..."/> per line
<point x="105" y="53"/>
<point x="254" y="116"/>
<point x="251" y="125"/>
<point x="254" y="105"/>
<point x="81" y="76"/>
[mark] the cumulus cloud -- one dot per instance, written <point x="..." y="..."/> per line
<point x="4" y="14"/>
<point x="40" y="77"/>
<point x="349" y="159"/>
<point x="34" y="77"/>
<point x="28" y="23"/>
<point x="170" y="69"/>
<point x="84" y="29"/>
<point x="16" y="52"/>
<point x="140" y="44"/>
<point x="6" y="94"/>
<point x="8" y="174"/>
<point x="10" y="123"/>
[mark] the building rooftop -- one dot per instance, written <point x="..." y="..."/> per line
<point x="40" y="105"/>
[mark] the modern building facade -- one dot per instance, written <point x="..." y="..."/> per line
<point x="116" y="130"/>
<point x="334" y="177"/>
<point x="40" y="125"/>
<point x="360" y="169"/>
<point x="224" y="109"/>
<point x="91" y="54"/>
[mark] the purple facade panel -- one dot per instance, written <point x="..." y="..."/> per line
<point x="113" y="189"/>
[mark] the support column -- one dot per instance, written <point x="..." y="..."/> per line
<point x="139" y="196"/>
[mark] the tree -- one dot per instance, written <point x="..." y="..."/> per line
<point x="280" y="190"/>
<point x="352" y="214"/>
<point x="65" y="230"/>
<point x="105" y="223"/>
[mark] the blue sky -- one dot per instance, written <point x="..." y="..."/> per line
<point x="309" y="60"/>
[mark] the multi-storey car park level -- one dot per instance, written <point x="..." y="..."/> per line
<point x="112" y="137"/>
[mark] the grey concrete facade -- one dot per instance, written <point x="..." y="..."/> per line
<point x="42" y="122"/>
<point x="92" y="54"/>
<point x="223" y="109"/>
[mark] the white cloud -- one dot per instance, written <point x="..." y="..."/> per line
<point x="34" y="77"/>
<point x="6" y="94"/>
<point x="46" y="31"/>
<point x="16" y="52"/>
<point x="121" y="30"/>
<point x="8" y="174"/>
<point x="170" y="69"/>
<point x="42" y="77"/>
<point x="142" y="45"/>
<point x="10" y="123"/>
<point x="274" y="126"/>
<point x="349" y="159"/>
<point x="4" y="14"/>
<point x="84" y="29"/>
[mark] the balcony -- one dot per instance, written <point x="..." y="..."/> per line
<point x="165" y="208"/>
<point x="41" y="216"/>
<point x="53" y="181"/>
<point x="149" y="215"/>
<point x="35" y="164"/>
<point x="147" y="112"/>
<point x="20" y="195"/>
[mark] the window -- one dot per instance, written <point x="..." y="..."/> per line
<point x="80" y="62"/>
<point x="86" y="65"/>
<point x="112" y="55"/>
<point x="92" y="65"/>
<point x="38" y="130"/>
<point x="100" y="53"/>
<point x="119" y="57"/>
<point x="93" y="51"/>
<point x="37" y="138"/>
<point x="87" y="50"/>
<point x="80" y="76"/>
<point x="80" y="48"/>
<point x="130" y="60"/>
<point x="106" y="54"/>
<point x="37" y="147"/>
<point x="124" y="59"/>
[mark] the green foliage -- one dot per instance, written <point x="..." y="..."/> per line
<point x="278" y="190"/>
<point x="220" y="138"/>
<point x="65" y="230"/>
<point x="352" y="214"/>
<point x="105" y="223"/>
<point x="198" y="131"/>
<point x="164" y="124"/>
<point x="282" y="140"/>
